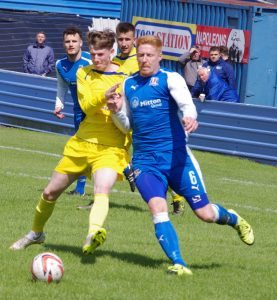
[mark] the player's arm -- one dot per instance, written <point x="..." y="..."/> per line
<point x="90" y="101"/>
<point x="62" y="89"/>
<point x="180" y="93"/>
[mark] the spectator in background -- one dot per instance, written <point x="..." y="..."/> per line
<point x="66" y="69"/>
<point x="214" y="88"/>
<point x="38" y="57"/>
<point x="191" y="63"/>
<point x="224" y="53"/>
<point x="222" y="69"/>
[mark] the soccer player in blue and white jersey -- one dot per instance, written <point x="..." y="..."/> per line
<point x="66" y="69"/>
<point x="150" y="105"/>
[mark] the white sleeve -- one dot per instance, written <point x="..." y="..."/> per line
<point x="122" y="118"/>
<point x="181" y="94"/>
<point x="62" y="89"/>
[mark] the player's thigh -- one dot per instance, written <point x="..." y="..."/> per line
<point x="104" y="179"/>
<point x="57" y="184"/>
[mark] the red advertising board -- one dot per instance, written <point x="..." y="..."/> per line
<point x="237" y="41"/>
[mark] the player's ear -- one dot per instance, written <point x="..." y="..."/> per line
<point x="112" y="53"/>
<point x="81" y="43"/>
<point x="160" y="56"/>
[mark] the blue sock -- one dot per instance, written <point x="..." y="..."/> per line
<point x="80" y="186"/>
<point x="168" y="240"/>
<point x="224" y="216"/>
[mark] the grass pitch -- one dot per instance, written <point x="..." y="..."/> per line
<point x="130" y="265"/>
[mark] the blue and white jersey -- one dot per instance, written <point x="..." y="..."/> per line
<point x="153" y="107"/>
<point x="66" y="77"/>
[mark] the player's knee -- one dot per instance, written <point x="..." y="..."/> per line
<point x="49" y="195"/>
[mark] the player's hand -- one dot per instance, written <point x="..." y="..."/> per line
<point x="190" y="124"/>
<point x="58" y="113"/>
<point x="114" y="99"/>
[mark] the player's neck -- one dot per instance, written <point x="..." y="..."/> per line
<point x="111" y="67"/>
<point x="74" y="57"/>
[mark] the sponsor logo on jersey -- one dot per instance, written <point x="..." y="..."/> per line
<point x="154" y="81"/>
<point x="143" y="103"/>
<point x="152" y="103"/>
<point x="134" y="87"/>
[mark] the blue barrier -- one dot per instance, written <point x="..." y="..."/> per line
<point x="249" y="131"/>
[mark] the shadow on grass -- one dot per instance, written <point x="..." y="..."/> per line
<point x="88" y="197"/>
<point x="129" y="257"/>
<point x="205" y="266"/>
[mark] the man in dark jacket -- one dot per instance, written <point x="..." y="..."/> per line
<point x="214" y="88"/>
<point x="222" y="68"/>
<point x="38" y="57"/>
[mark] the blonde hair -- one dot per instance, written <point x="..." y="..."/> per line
<point x="150" y="40"/>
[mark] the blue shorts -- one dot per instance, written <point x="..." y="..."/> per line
<point x="178" y="169"/>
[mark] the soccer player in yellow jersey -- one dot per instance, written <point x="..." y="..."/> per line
<point x="127" y="56"/>
<point x="96" y="150"/>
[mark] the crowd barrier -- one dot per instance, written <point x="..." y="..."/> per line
<point x="249" y="131"/>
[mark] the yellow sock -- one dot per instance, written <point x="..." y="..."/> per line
<point x="43" y="212"/>
<point x="99" y="212"/>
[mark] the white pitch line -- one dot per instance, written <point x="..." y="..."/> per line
<point x="266" y="210"/>
<point x="137" y="194"/>
<point x="31" y="151"/>
<point x="243" y="182"/>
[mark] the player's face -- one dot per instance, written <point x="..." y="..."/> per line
<point x="40" y="38"/>
<point x="149" y="58"/>
<point x="214" y="56"/>
<point x="126" y="42"/>
<point x="101" y="58"/>
<point x="72" y="44"/>
<point x="203" y="75"/>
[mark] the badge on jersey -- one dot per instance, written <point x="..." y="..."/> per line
<point x="154" y="81"/>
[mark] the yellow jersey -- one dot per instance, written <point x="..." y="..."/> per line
<point x="98" y="126"/>
<point x="129" y="63"/>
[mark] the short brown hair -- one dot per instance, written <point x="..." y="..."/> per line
<point x="224" y="50"/>
<point x="124" y="27"/>
<point x="72" y="31"/>
<point x="101" y="39"/>
<point x="214" y="48"/>
<point x="151" y="40"/>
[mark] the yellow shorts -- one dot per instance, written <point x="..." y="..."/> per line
<point x="84" y="158"/>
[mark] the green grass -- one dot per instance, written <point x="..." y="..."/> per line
<point x="130" y="265"/>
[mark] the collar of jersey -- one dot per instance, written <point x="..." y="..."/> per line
<point x="132" y="54"/>
<point x="108" y="73"/>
